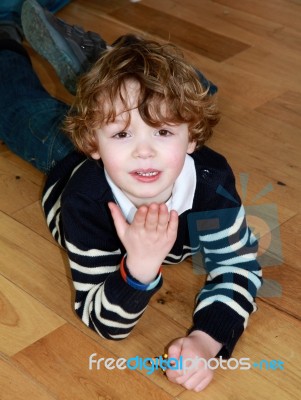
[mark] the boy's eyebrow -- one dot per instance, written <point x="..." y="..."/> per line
<point x="120" y="123"/>
<point x="117" y="120"/>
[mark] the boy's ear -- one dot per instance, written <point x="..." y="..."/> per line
<point x="191" y="147"/>
<point x="95" y="155"/>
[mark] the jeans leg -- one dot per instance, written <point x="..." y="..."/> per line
<point x="10" y="10"/>
<point x="30" y="119"/>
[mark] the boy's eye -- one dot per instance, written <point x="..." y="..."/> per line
<point x="164" y="132"/>
<point x="121" y="135"/>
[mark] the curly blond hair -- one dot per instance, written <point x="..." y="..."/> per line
<point x="164" y="78"/>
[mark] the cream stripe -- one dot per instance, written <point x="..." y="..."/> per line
<point x="235" y="260"/>
<point x="224" y="300"/>
<point x="226" y="232"/>
<point x="46" y="195"/>
<point x="231" y="286"/>
<point x="91" y="252"/>
<point x="250" y="275"/>
<point x="93" y="270"/>
<point x="101" y="299"/>
<point x="232" y="248"/>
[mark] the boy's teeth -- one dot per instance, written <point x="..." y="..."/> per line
<point x="147" y="173"/>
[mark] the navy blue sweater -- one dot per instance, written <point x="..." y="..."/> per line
<point x="75" y="202"/>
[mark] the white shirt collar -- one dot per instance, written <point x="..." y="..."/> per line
<point x="181" y="197"/>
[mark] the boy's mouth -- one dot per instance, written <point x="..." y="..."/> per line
<point x="153" y="173"/>
<point x="146" y="174"/>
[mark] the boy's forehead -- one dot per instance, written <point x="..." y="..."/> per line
<point x="118" y="108"/>
<point x="126" y="98"/>
<point x="130" y="90"/>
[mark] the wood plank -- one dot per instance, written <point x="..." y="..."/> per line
<point x="205" y="42"/>
<point x="16" y="385"/>
<point x="33" y="218"/>
<point x="288" y="38"/>
<point x="291" y="233"/>
<point x="176" y="299"/>
<point x="53" y="362"/>
<point x="266" y="153"/>
<point x="282" y="11"/>
<point x="36" y="266"/>
<point x="284" y="108"/>
<point x="257" y="62"/>
<point x="23" y="320"/>
<point x="30" y="248"/>
<point x="287" y="296"/>
<point x="104" y="6"/>
<point x="19" y="187"/>
<point x="250" y="29"/>
<point x="283" y="180"/>
<point x="237" y="85"/>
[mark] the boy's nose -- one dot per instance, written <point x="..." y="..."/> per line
<point x="143" y="149"/>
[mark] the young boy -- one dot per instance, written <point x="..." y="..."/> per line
<point x="120" y="204"/>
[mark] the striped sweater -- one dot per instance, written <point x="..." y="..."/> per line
<point x="75" y="202"/>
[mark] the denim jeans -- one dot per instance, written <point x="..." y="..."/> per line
<point x="11" y="9"/>
<point x="30" y="119"/>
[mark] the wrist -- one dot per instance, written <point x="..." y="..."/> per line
<point x="141" y="269"/>
<point x="210" y="345"/>
<point x="136" y="284"/>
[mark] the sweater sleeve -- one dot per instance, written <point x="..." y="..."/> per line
<point x="229" y="251"/>
<point x="103" y="300"/>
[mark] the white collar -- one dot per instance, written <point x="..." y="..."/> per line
<point x="181" y="197"/>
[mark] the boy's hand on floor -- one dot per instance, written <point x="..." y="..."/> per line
<point x="197" y="345"/>
<point x="148" y="239"/>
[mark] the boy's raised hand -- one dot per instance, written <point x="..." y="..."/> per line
<point x="148" y="239"/>
<point x="196" y="346"/>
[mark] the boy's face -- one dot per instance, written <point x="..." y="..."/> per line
<point x="141" y="160"/>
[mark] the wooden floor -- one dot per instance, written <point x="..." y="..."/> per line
<point x="252" y="50"/>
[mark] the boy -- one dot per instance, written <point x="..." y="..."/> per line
<point x="120" y="205"/>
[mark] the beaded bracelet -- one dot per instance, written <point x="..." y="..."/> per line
<point x="133" y="282"/>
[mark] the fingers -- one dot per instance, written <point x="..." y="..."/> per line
<point x="152" y="217"/>
<point x="196" y="380"/>
<point x="173" y="222"/>
<point x="194" y="372"/>
<point x="157" y="217"/>
<point x="174" y="353"/>
<point x="204" y="383"/>
<point x="118" y="218"/>
<point x="163" y="218"/>
<point x="190" y="377"/>
<point x="140" y="217"/>
<point x="175" y="349"/>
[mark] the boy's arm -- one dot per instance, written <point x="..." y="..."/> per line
<point x="229" y="251"/>
<point x="222" y="309"/>
<point x="103" y="300"/>
<point x="228" y="298"/>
